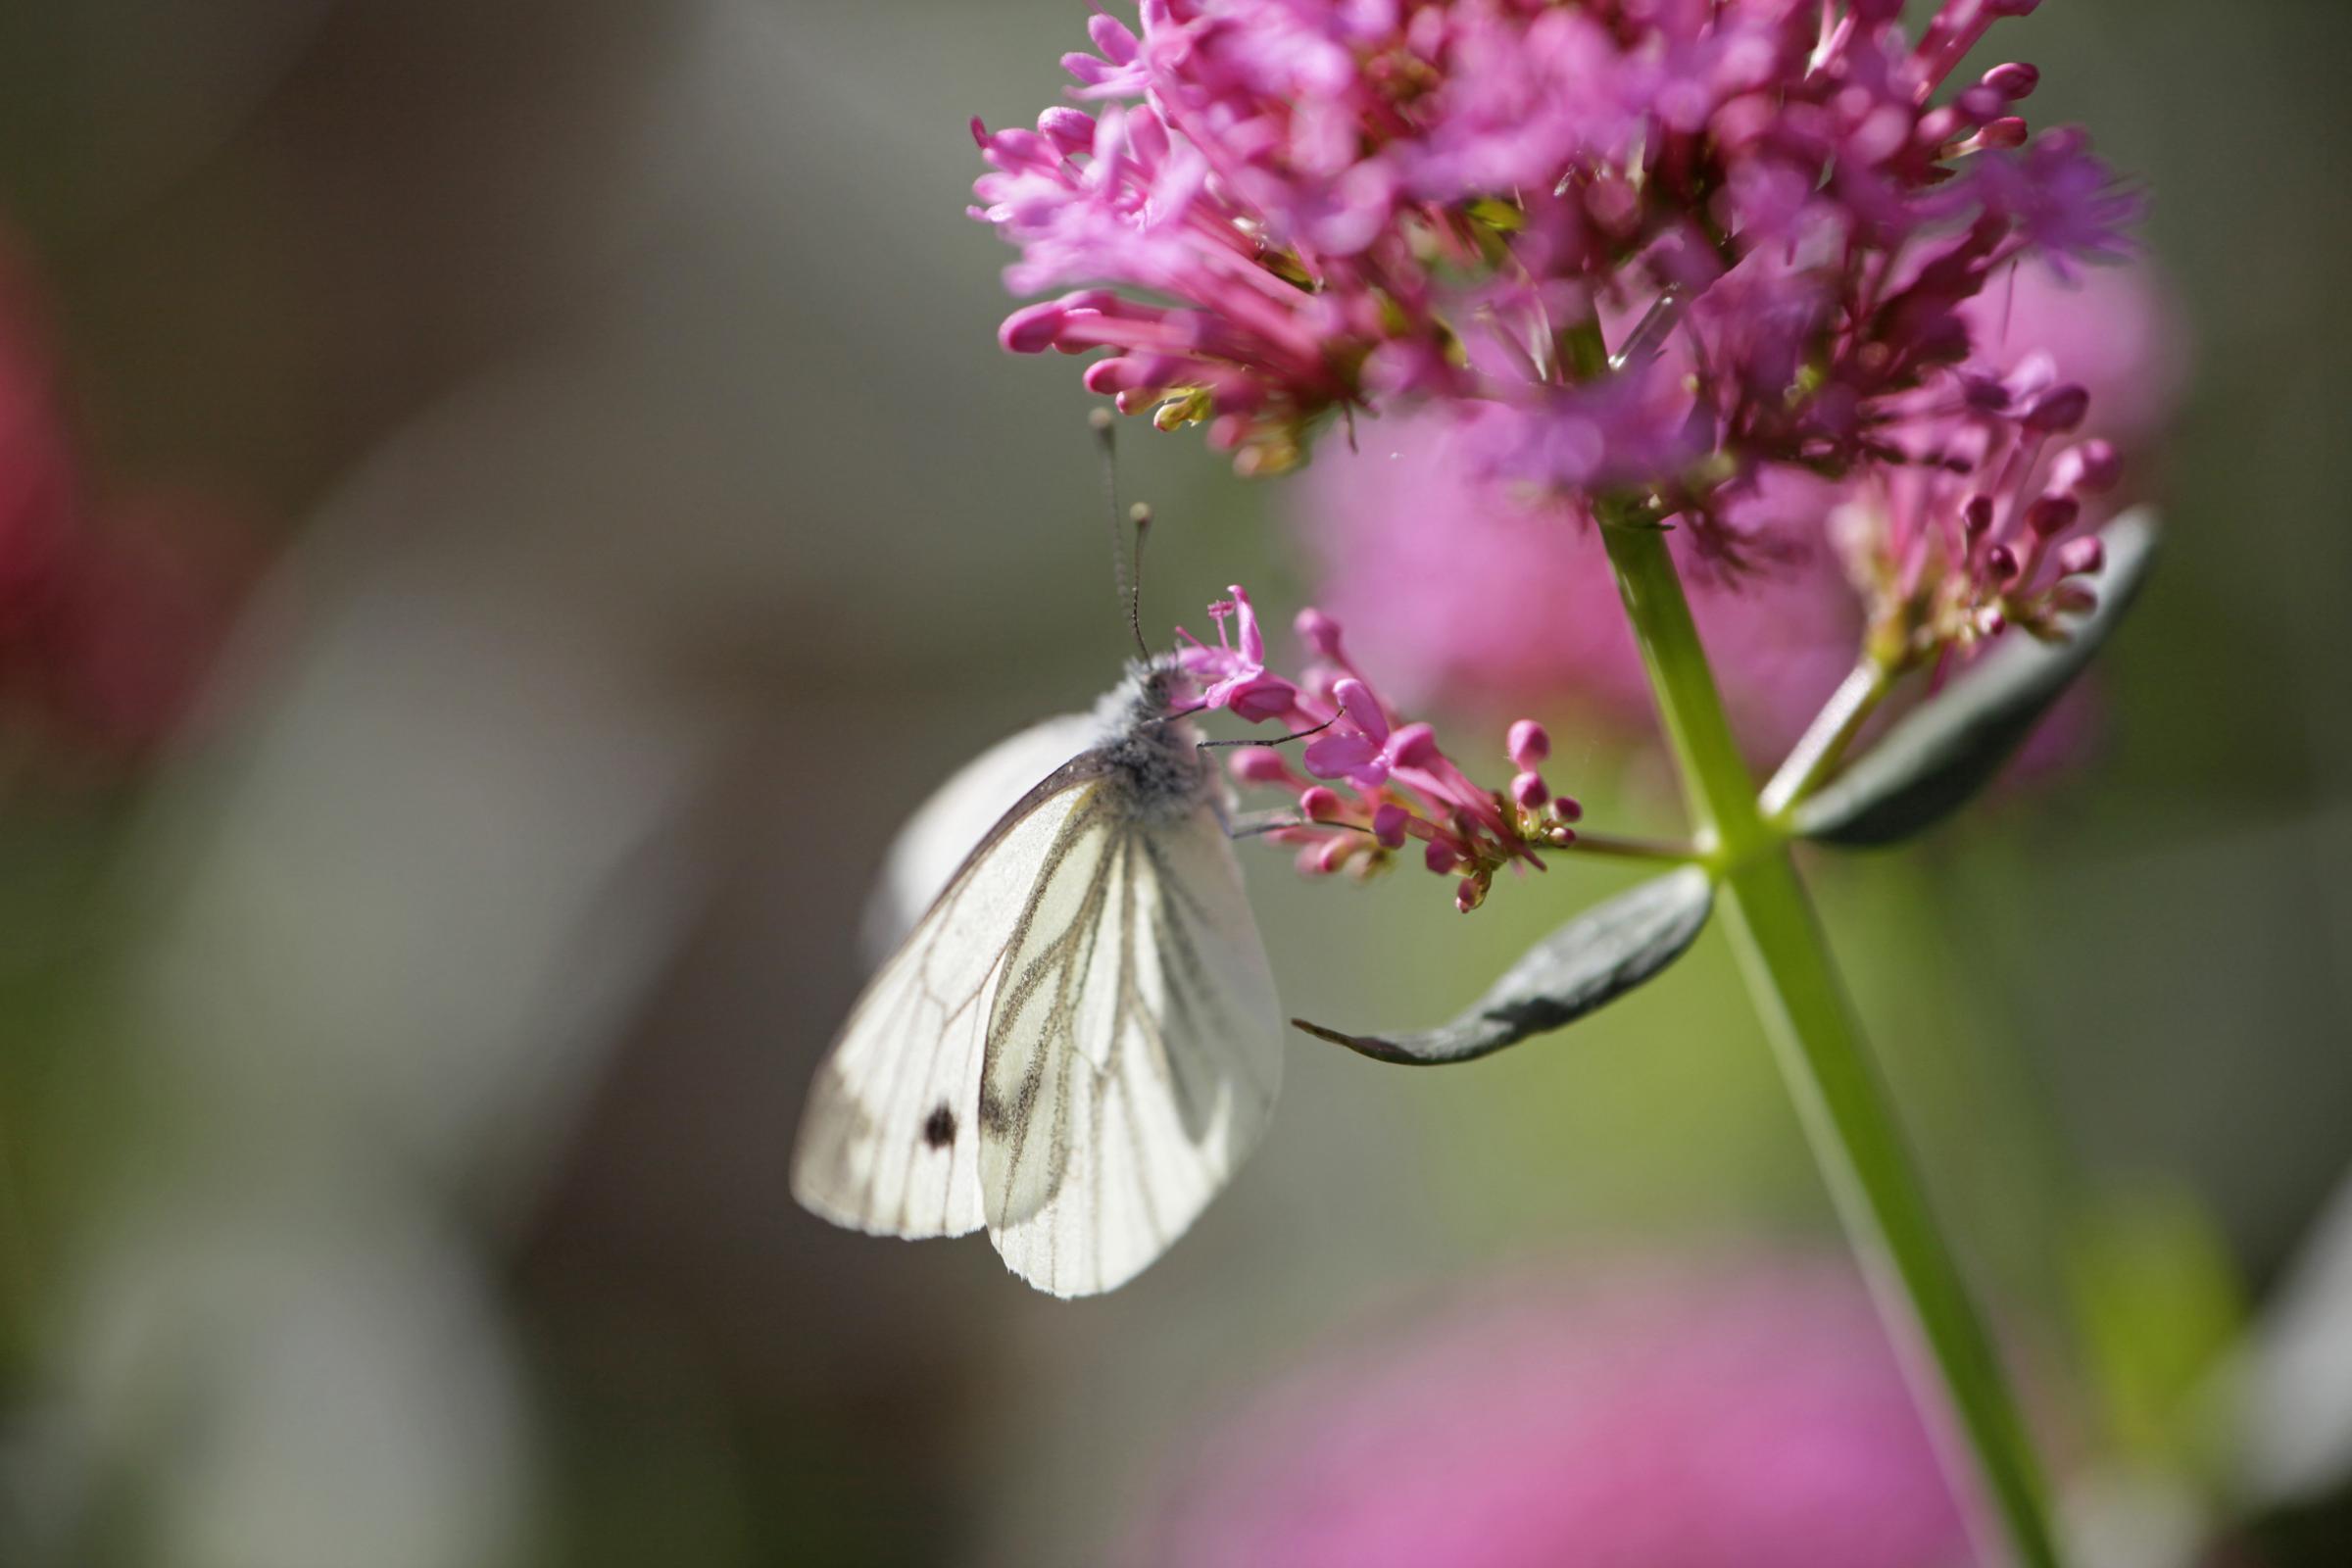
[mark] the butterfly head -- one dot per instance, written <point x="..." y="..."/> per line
<point x="1147" y="740"/>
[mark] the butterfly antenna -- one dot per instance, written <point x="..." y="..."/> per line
<point x="1140" y="516"/>
<point x="1128" y="585"/>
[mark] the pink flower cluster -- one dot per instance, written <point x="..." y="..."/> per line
<point x="1670" y="245"/>
<point x="1739" y="1416"/>
<point x="1399" y="784"/>
<point x="1965" y="536"/>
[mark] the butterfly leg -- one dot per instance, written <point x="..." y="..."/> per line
<point x="1279" y="740"/>
<point x="1254" y="825"/>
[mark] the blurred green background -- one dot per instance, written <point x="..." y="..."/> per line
<point x="397" y="1082"/>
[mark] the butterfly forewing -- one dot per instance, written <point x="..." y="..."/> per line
<point x="1134" y="1051"/>
<point x="889" y="1141"/>
<point x="938" y="838"/>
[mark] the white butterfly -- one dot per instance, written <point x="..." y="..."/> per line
<point x="1080" y="1040"/>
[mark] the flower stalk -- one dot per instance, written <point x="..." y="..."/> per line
<point x="1634" y="849"/>
<point x="1824" y="743"/>
<point x="1844" y="1107"/>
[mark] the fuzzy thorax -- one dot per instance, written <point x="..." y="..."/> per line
<point x="1155" y="756"/>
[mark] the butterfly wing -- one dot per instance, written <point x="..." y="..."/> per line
<point x="939" y="837"/>
<point x="889" y="1141"/>
<point x="1135" y="1048"/>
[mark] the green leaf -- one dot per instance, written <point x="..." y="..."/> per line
<point x="1943" y="752"/>
<point x="1592" y="960"/>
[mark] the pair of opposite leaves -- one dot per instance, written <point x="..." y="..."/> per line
<point x="1079" y="1040"/>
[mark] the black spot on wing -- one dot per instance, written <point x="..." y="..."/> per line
<point x="939" y="1128"/>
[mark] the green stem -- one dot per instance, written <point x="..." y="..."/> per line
<point x="1840" y="1098"/>
<point x="1633" y="849"/>
<point x="1823" y="744"/>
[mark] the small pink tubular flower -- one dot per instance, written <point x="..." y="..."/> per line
<point x="1668" y="245"/>
<point x="1494" y="596"/>
<point x="1401" y="784"/>
<point x="1728" y="1417"/>
<point x="1235" y="677"/>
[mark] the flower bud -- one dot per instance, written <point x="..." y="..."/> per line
<point x="1742" y="121"/>
<point x="1259" y="765"/>
<point x="2052" y="514"/>
<point x="1014" y="148"/>
<point x="2061" y="408"/>
<point x="2091" y="466"/>
<point x="1070" y="130"/>
<point x="1528" y="743"/>
<point x="1112" y="37"/>
<point x="1528" y="791"/>
<point x="1567" y="809"/>
<point x="1032" y="330"/>
<point x="2013" y="82"/>
<point x="1439" y="857"/>
<point x="1413" y="746"/>
<point x="2078" y="555"/>
<point x="1388" y="825"/>
<point x="1470" y="894"/>
<point x="1319" y="804"/>
<point x="1984" y="393"/>
<point x="1128" y="373"/>
<point x="1979" y="104"/>
<point x="1332" y="854"/>
<point x="1318" y="631"/>
<point x="2004" y="132"/>
<point x="1614" y="205"/>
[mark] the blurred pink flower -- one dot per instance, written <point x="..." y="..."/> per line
<point x="108" y="615"/>
<point x="1733" y="1417"/>
<point x="38" y="485"/>
<point x="1471" y="591"/>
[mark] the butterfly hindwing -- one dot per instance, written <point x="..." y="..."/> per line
<point x="1134" y="1051"/>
